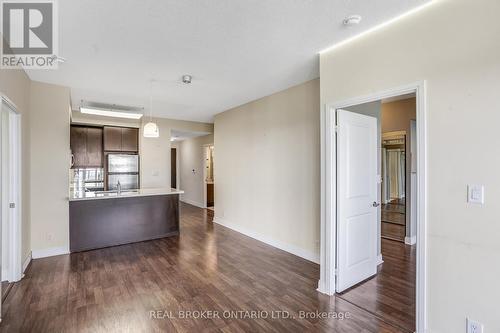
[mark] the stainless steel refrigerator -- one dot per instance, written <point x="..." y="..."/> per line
<point x="123" y="168"/>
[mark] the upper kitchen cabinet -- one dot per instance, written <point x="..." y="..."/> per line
<point x="94" y="147"/>
<point x="130" y="139"/>
<point x="112" y="139"/>
<point x="86" y="147"/>
<point x="121" y="139"/>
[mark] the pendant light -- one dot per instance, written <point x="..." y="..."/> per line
<point x="151" y="129"/>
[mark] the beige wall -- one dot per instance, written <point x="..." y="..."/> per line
<point x="396" y="116"/>
<point x="460" y="61"/>
<point x="267" y="169"/>
<point x="15" y="85"/>
<point x="50" y="160"/>
<point x="191" y="157"/>
<point x="155" y="152"/>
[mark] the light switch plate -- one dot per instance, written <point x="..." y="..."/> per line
<point x="475" y="194"/>
<point x="474" y="326"/>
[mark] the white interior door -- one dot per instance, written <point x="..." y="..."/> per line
<point x="356" y="198"/>
<point x="10" y="183"/>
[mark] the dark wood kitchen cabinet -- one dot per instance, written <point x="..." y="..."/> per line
<point x="112" y="138"/>
<point x="94" y="147"/>
<point x="86" y="147"/>
<point x="130" y="139"/>
<point x="121" y="139"/>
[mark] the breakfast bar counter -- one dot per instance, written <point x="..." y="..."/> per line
<point x="102" y="219"/>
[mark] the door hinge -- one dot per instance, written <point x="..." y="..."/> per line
<point x="12" y="205"/>
<point x="337" y="128"/>
<point x="336" y="272"/>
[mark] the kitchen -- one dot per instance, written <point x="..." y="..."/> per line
<point x="107" y="205"/>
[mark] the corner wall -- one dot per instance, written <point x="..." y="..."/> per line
<point x="267" y="166"/>
<point x="460" y="61"/>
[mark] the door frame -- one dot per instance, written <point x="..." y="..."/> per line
<point x="205" y="155"/>
<point x="326" y="283"/>
<point x="15" y="193"/>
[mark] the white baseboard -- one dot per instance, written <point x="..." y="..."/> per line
<point x="194" y="203"/>
<point x="50" y="252"/>
<point x="321" y="288"/>
<point x="411" y="240"/>
<point x="299" y="252"/>
<point x="379" y="259"/>
<point x="26" y="262"/>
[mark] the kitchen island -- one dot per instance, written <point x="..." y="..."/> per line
<point x="102" y="219"/>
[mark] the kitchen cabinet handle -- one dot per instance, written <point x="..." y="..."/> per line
<point x="72" y="160"/>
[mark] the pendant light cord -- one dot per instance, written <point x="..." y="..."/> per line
<point x="151" y="101"/>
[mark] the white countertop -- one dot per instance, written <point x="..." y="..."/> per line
<point x="143" y="192"/>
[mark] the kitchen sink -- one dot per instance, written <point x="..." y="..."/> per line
<point x="115" y="192"/>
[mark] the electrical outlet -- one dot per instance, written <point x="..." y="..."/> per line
<point x="475" y="194"/>
<point x="474" y="326"/>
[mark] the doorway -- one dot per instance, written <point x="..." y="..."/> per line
<point x="173" y="167"/>
<point x="394" y="184"/>
<point x="10" y="183"/>
<point x="357" y="264"/>
<point x="209" y="186"/>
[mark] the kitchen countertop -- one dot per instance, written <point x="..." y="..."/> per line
<point x="143" y="192"/>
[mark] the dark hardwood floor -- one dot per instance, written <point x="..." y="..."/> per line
<point x="391" y="293"/>
<point x="6" y="287"/>
<point x="207" y="267"/>
<point x="394" y="220"/>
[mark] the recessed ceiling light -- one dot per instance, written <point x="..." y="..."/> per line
<point x="352" y="20"/>
<point x="110" y="113"/>
<point x="187" y="79"/>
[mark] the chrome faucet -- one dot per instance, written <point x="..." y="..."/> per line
<point x="119" y="188"/>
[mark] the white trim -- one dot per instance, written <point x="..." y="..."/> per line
<point x="380" y="261"/>
<point x="8" y="101"/>
<point x="14" y="229"/>
<point x="299" y="252"/>
<point x="411" y="240"/>
<point x="26" y="262"/>
<point x="328" y="157"/>
<point x="326" y="284"/>
<point x="50" y="252"/>
<point x="194" y="203"/>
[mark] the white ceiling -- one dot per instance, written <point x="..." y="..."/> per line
<point x="236" y="50"/>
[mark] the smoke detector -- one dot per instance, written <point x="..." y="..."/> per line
<point x="187" y="79"/>
<point x="352" y="20"/>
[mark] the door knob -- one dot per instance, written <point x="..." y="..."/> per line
<point x="375" y="204"/>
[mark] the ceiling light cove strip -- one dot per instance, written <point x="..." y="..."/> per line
<point x="110" y="113"/>
<point x="378" y="27"/>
